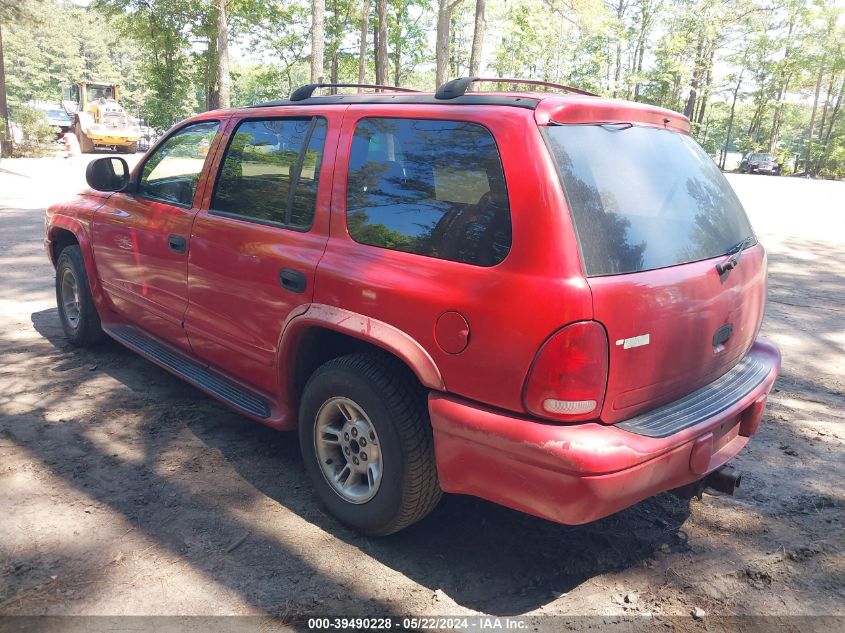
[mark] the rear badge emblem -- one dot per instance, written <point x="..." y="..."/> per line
<point x="634" y="341"/>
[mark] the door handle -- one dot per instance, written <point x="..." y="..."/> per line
<point x="292" y="280"/>
<point x="177" y="243"/>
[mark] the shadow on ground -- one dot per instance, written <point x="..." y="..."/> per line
<point x="482" y="556"/>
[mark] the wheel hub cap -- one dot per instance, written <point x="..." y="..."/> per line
<point x="348" y="449"/>
<point x="70" y="297"/>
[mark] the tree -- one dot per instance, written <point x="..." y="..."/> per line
<point x="5" y="132"/>
<point x="477" y="38"/>
<point x="645" y="22"/>
<point x="729" y="132"/>
<point x="362" y="44"/>
<point x="11" y="12"/>
<point x="444" y="21"/>
<point x="408" y="30"/>
<point x="381" y="42"/>
<point x="223" y="100"/>
<point x="318" y="8"/>
<point x="161" y="30"/>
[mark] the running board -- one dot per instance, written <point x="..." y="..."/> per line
<point x="191" y="371"/>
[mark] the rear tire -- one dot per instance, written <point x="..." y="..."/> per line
<point x="129" y="149"/>
<point x="374" y="397"/>
<point x="77" y="311"/>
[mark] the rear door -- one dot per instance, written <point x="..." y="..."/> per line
<point x="141" y="238"/>
<point x="654" y="216"/>
<point x="254" y="252"/>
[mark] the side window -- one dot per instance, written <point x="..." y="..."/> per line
<point x="435" y="188"/>
<point x="271" y="170"/>
<point x="172" y="172"/>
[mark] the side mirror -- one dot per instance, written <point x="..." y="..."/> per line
<point x="107" y="174"/>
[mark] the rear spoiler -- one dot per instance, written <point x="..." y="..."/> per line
<point x="583" y="110"/>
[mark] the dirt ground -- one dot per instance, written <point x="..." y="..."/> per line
<point x="124" y="491"/>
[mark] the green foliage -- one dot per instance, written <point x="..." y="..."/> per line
<point x="36" y="133"/>
<point x="67" y="44"/>
<point x="750" y="75"/>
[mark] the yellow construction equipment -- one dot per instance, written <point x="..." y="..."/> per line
<point x="98" y="118"/>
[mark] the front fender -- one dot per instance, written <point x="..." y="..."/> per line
<point x="78" y="222"/>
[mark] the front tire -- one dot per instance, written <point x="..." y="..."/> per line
<point x="77" y="311"/>
<point x="86" y="145"/>
<point x="367" y="444"/>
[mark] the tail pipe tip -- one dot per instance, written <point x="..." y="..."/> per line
<point x="724" y="480"/>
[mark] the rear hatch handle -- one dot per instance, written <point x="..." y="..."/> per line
<point x="733" y="260"/>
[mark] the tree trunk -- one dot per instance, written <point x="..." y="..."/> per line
<point x="640" y="54"/>
<point x="620" y="13"/>
<point x="826" y="104"/>
<point x="807" y="157"/>
<point x="444" y="19"/>
<point x="5" y="131"/>
<point x="318" y="42"/>
<point x="397" y="54"/>
<point x="362" y="48"/>
<point x="705" y="94"/>
<point x="223" y="96"/>
<point x="731" y="118"/>
<point x="453" y="48"/>
<point x="689" y="108"/>
<point x="785" y="79"/>
<point x="381" y="47"/>
<point x="334" y="71"/>
<point x="834" y="114"/>
<point x="211" y="73"/>
<point x="776" y="119"/>
<point x="477" y="38"/>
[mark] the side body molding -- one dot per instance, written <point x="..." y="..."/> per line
<point x="358" y="326"/>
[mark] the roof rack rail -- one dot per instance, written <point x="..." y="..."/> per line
<point x="304" y="92"/>
<point x="458" y="87"/>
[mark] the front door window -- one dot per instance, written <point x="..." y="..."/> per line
<point x="172" y="172"/>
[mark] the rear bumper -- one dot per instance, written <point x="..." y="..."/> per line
<point x="579" y="473"/>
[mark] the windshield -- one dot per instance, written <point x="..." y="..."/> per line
<point x="643" y="198"/>
<point x="761" y="157"/>
<point x="100" y="92"/>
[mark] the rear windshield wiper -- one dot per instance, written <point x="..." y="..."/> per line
<point x="735" y="253"/>
<point x="612" y="126"/>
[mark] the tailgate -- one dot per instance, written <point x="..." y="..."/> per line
<point x="676" y="329"/>
<point x="654" y="216"/>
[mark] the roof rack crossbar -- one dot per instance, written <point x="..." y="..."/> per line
<point x="306" y="91"/>
<point x="458" y="87"/>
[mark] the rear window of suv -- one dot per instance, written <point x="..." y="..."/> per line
<point x="643" y="198"/>
<point x="430" y="187"/>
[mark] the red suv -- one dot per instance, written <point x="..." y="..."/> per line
<point x="547" y="300"/>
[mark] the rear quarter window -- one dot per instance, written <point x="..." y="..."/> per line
<point x="429" y="187"/>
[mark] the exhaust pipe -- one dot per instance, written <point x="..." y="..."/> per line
<point x="723" y="480"/>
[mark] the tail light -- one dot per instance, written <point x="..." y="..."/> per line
<point x="568" y="378"/>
